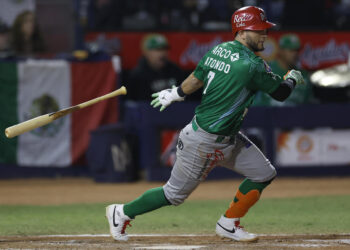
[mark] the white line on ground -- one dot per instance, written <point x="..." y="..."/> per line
<point x="131" y="235"/>
<point x="293" y="243"/>
<point x="184" y="235"/>
<point x="344" y="241"/>
<point x="301" y="235"/>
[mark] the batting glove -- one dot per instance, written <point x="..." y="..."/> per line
<point x="295" y="75"/>
<point x="165" y="97"/>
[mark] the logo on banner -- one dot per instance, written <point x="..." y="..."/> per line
<point x="196" y="50"/>
<point x="304" y="144"/>
<point x="313" y="57"/>
<point x="41" y="106"/>
<point x="282" y="141"/>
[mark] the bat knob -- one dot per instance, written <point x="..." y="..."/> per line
<point x="8" y="133"/>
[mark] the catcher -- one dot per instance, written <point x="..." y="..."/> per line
<point x="230" y="75"/>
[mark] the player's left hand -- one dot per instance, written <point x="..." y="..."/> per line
<point x="295" y="75"/>
<point x="165" y="97"/>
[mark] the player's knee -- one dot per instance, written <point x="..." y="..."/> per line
<point x="268" y="175"/>
<point x="273" y="174"/>
<point x="176" y="201"/>
<point x="257" y="186"/>
<point x="268" y="180"/>
<point x="174" y="196"/>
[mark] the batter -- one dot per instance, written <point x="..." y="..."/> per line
<point x="230" y="74"/>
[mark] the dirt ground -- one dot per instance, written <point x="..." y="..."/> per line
<point x="334" y="242"/>
<point x="83" y="190"/>
<point x="68" y="191"/>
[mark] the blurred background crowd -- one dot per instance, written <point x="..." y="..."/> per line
<point x="53" y="29"/>
<point x="155" y="44"/>
<point x="19" y="16"/>
<point x="194" y="15"/>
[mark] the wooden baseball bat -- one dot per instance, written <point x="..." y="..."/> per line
<point x="42" y="120"/>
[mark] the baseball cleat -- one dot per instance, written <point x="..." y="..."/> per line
<point x="230" y="228"/>
<point x="117" y="221"/>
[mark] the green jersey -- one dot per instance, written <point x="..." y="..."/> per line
<point x="231" y="74"/>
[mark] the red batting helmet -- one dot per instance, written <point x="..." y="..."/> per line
<point x="249" y="18"/>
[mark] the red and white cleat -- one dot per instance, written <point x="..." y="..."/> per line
<point x="231" y="228"/>
<point x="117" y="222"/>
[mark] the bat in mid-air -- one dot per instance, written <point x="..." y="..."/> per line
<point x="43" y="120"/>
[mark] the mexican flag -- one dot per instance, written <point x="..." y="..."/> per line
<point x="35" y="87"/>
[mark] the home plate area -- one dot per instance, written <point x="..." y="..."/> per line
<point x="157" y="241"/>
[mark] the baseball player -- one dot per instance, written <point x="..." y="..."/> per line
<point x="229" y="74"/>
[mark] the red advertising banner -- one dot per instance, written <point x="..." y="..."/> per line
<point x="319" y="49"/>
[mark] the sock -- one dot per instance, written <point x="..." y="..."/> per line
<point x="247" y="195"/>
<point x="150" y="200"/>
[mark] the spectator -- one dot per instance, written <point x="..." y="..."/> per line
<point x="26" y="36"/>
<point x="154" y="71"/>
<point x="287" y="59"/>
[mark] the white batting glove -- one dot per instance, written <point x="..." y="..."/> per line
<point x="295" y="75"/>
<point x="165" y="98"/>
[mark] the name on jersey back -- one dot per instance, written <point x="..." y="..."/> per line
<point x="218" y="64"/>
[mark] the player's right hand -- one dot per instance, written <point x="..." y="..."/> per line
<point x="295" y="75"/>
<point x="165" y="97"/>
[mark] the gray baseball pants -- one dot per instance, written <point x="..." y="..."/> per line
<point x="198" y="152"/>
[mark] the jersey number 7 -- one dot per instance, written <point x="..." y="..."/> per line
<point x="211" y="76"/>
